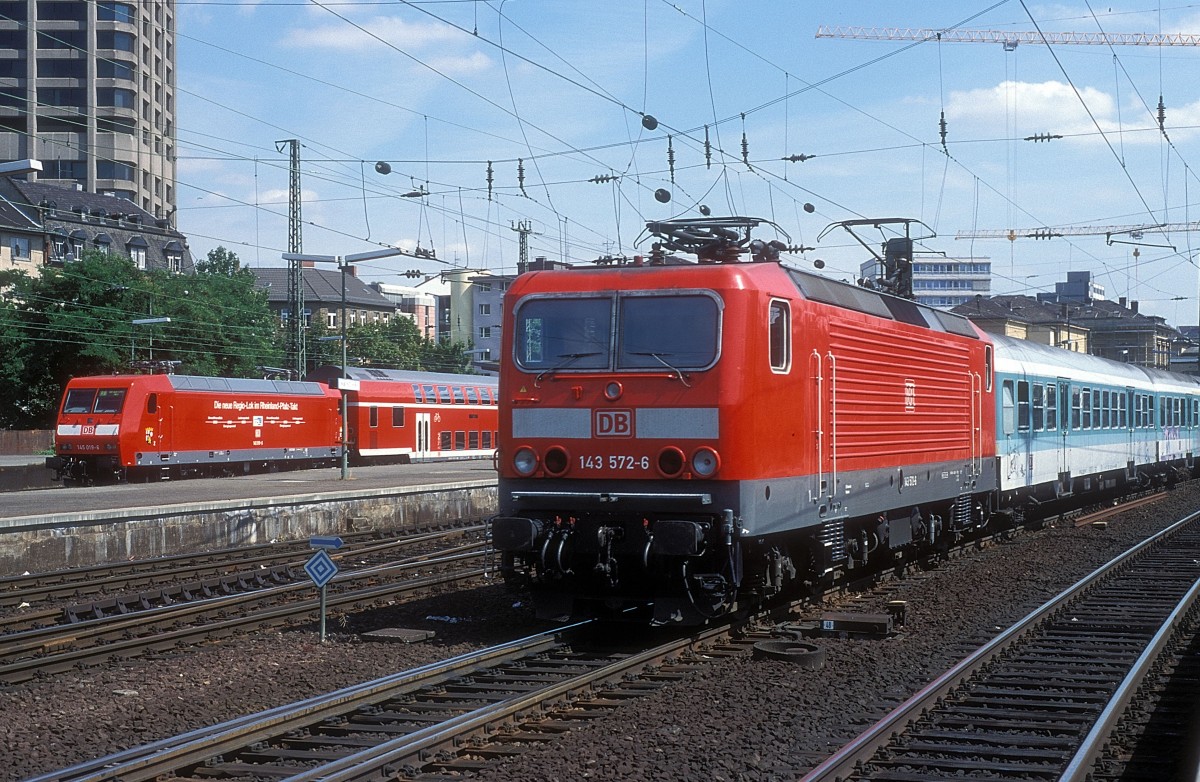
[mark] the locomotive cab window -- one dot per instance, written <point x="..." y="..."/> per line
<point x="562" y="333"/>
<point x="109" y="400"/>
<point x="672" y="332"/>
<point x="152" y="403"/>
<point x="664" y="332"/>
<point x="79" y="400"/>
<point x="779" y="324"/>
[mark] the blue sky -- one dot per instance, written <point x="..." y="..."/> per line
<point x="558" y="91"/>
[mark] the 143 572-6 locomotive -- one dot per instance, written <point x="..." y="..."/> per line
<point x="677" y="439"/>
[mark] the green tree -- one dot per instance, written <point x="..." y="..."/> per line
<point x="78" y="320"/>
<point x="65" y="322"/>
<point x="221" y="323"/>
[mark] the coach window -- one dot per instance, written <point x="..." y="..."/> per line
<point x="1096" y="408"/>
<point x="473" y="440"/>
<point x="397" y="416"/>
<point x="1051" y="406"/>
<point x="1023" y="405"/>
<point x="430" y="398"/>
<point x="987" y="367"/>
<point x="487" y="439"/>
<point x="1123" y="410"/>
<point x="1076" y="408"/>
<point x="1039" y="407"/>
<point x="1104" y="406"/>
<point x="1086" y="418"/>
<point x="472" y="397"/>
<point x="417" y="393"/>
<point x="459" y="399"/>
<point x="444" y="441"/>
<point x="780" y="325"/>
<point x="460" y="441"/>
<point x="1008" y="408"/>
<point x="373" y="416"/>
<point x="444" y="394"/>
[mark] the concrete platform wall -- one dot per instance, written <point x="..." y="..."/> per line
<point x="78" y="540"/>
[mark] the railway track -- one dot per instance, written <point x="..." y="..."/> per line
<point x="1043" y="699"/>
<point x="448" y="718"/>
<point x="54" y="649"/>
<point x="36" y="588"/>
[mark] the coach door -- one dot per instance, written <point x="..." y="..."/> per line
<point x="1065" y="423"/>
<point x="421" y="449"/>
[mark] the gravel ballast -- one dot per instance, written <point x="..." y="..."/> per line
<point x="741" y="719"/>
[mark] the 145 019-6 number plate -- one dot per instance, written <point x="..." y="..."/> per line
<point x="615" y="462"/>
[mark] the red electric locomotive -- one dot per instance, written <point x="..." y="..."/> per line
<point x="678" y="438"/>
<point x="141" y="427"/>
<point x="133" y="427"/>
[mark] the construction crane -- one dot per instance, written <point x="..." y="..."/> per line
<point x="1010" y="39"/>
<point x="1047" y="232"/>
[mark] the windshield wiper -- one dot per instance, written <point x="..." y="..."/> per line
<point x="663" y="361"/>
<point x="571" y="358"/>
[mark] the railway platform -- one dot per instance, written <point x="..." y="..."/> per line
<point x="48" y="529"/>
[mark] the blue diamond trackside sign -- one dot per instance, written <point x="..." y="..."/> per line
<point x="320" y="568"/>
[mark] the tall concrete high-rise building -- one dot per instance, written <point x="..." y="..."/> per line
<point x="88" y="88"/>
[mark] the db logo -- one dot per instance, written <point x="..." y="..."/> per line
<point x="89" y="430"/>
<point x="613" y="423"/>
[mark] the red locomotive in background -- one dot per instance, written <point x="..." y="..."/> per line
<point x="141" y="427"/>
<point x="676" y="438"/>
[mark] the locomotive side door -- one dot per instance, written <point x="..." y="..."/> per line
<point x="421" y="447"/>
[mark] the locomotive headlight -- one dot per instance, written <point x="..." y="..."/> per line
<point x="613" y="391"/>
<point x="556" y="460"/>
<point x="525" y="461"/>
<point x="705" y="462"/>
<point x="670" y="462"/>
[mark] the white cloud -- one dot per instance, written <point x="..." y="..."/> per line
<point x="1050" y="106"/>
<point x="340" y="36"/>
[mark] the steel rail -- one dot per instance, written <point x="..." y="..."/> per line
<point x="841" y="765"/>
<point x="404" y="749"/>
<point x="75" y="581"/>
<point x="27" y="667"/>
<point x="148" y="761"/>
<point x="1081" y="766"/>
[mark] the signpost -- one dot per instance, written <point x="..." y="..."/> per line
<point x="321" y="569"/>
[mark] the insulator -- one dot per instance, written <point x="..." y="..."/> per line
<point x="671" y="158"/>
<point x="942" y="127"/>
<point x="521" y="176"/>
<point x="1162" y="115"/>
<point x="489" y="180"/>
<point x="707" y="149"/>
<point x="745" y="149"/>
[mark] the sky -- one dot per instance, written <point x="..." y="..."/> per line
<point x="568" y="119"/>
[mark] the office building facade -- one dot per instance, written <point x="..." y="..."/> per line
<point x="88" y="88"/>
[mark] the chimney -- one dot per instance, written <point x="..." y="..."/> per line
<point x="1133" y="307"/>
<point x="1122" y="300"/>
<point x="352" y="269"/>
<point x="308" y="264"/>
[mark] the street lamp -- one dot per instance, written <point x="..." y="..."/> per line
<point x="146" y="322"/>
<point x="18" y="167"/>
<point x="344" y="383"/>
